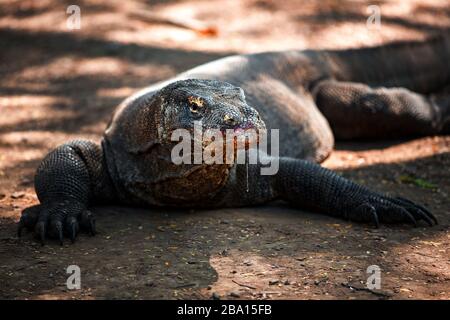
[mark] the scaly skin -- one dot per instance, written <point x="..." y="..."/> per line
<point x="313" y="97"/>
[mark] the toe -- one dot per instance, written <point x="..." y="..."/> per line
<point x="40" y="230"/>
<point x="56" y="230"/>
<point x="72" y="228"/>
<point x="88" y="222"/>
<point x="28" y="219"/>
<point x="365" y="213"/>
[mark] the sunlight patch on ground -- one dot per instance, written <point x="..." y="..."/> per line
<point x="402" y="152"/>
<point x="123" y="92"/>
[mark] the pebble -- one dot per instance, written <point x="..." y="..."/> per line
<point x="215" y="296"/>
<point x="17" y="194"/>
<point x="248" y="263"/>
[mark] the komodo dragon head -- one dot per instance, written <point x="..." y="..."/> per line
<point x="217" y="104"/>
<point x="141" y="137"/>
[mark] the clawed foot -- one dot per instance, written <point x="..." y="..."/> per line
<point x="57" y="221"/>
<point x="378" y="209"/>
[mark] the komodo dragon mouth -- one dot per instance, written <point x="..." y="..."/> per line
<point x="227" y="142"/>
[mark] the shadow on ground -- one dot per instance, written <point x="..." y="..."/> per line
<point x="84" y="106"/>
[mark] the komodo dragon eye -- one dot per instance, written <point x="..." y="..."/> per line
<point x="195" y="104"/>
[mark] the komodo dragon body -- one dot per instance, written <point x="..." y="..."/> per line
<point x="312" y="97"/>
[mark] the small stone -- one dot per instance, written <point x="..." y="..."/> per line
<point x="247" y="263"/>
<point x="215" y="296"/>
<point x="287" y="282"/>
<point x="273" y="282"/>
<point x="234" y="294"/>
<point x="150" y="284"/>
<point x="18" y="194"/>
<point x="26" y="181"/>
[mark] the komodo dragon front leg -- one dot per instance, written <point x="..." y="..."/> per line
<point x="309" y="186"/>
<point x="69" y="179"/>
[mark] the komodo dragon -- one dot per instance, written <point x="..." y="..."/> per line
<point x="312" y="97"/>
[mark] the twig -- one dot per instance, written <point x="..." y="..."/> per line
<point x="190" y="24"/>
<point x="377" y="293"/>
<point x="243" y="285"/>
<point x="187" y="285"/>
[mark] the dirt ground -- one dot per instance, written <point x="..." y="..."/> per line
<point x="57" y="84"/>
